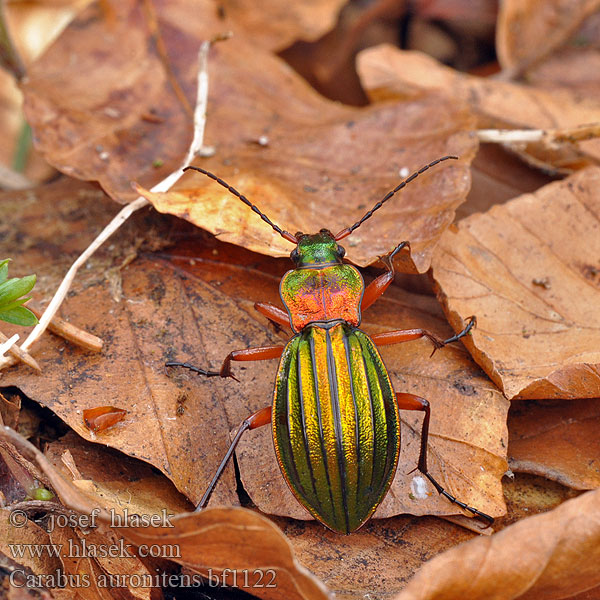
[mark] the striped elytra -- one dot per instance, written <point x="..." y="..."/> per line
<point x="336" y="425"/>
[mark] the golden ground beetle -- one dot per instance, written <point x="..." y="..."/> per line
<point x="335" y="415"/>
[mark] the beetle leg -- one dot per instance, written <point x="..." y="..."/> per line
<point x="258" y="419"/>
<point x="407" y="335"/>
<point x="273" y="313"/>
<point x="261" y="353"/>
<point x="412" y="402"/>
<point x="376" y="288"/>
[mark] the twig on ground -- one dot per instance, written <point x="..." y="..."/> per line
<point x="127" y="211"/>
<point x="11" y="347"/>
<point x="549" y="136"/>
<point x="71" y="332"/>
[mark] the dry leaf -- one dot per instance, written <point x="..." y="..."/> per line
<point x="546" y="557"/>
<point x="530" y="30"/>
<point x="388" y="73"/>
<point x="557" y="440"/>
<point x="318" y="164"/>
<point x="181" y="423"/>
<point x="207" y="542"/>
<point x="121" y="483"/>
<point x="100" y="418"/>
<point x="17" y="531"/>
<point x="530" y="271"/>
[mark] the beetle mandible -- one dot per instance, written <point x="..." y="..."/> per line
<point x="335" y="415"/>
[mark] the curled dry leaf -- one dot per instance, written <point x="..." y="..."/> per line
<point x="100" y="418"/>
<point x="530" y="271"/>
<point x="111" y="115"/>
<point x="279" y="23"/>
<point x="181" y="424"/>
<point x="388" y="73"/>
<point x="216" y="539"/>
<point x="530" y="30"/>
<point x="557" y="440"/>
<point x="546" y="557"/>
<point x="17" y="534"/>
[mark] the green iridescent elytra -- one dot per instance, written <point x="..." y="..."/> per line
<point x="336" y="425"/>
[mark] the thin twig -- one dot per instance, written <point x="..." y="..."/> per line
<point x="550" y="136"/>
<point x="7" y="343"/>
<point x="17" y="352"/>
<point x="127" y="211"/>
<point x="71" y="332"/>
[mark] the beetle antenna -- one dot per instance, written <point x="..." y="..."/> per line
<point x="345" y="232"/>
<point x="284" y="234"/>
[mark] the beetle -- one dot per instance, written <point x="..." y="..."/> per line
<point x="335" y="416"/>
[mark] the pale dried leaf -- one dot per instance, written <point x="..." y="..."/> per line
<point x="550" y="556"/>
<point x="530" y="271"/>
<point x="529" y="30"/>
<point x="388" y="73"/>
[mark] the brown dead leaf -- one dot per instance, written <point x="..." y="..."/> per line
<point x="318" y="164"/>
<point x="100" y="418"/>
<point x="375" y="561"/>
<point x="388" y="73"/>
<point x="530" y="30"/>
<point x="119" y="482"/>
<point x="279" y="23"/>
<point x="34" y="25"/>
<point x="498" y="176"/>
<point x="557" y="440"/>
<point x="141" y="333"/>
<point x="20" y="533"/>
<point x="545" y="557"/>
<point x="530" y="271"/>
<point x="209" y="541"/>
<point x="181" y="424"/>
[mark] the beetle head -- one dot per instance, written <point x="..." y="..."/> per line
<point x="317" y="249"/>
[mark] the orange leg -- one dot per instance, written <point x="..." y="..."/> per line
<point x="273" y="313"/>
<point x="258" y="419"/>
<point x="412" y="402"/>
<point x="262" y="353"/>
<point x="407" y="335"/>
<point x="376" y="288"/>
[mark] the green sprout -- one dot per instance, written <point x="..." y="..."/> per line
<point x="11" y="297"/>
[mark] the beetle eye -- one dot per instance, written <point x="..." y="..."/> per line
<point x="294" y="255"/>
<point x="341" y="251"/>
<point x="324" y="230"/>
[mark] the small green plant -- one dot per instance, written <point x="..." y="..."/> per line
<point x="11" y="297"/>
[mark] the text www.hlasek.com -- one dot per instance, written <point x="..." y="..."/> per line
<point x="85" y="550"/>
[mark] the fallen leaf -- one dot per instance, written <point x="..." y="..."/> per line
<point x="208" y="542"/>
<point x="319" y="164"/>
<point x="534" y="341"/>
<point x="140" y="332"/>
<point x="19" y="539"/>
<point x="557" y="440"/>
<point x="278" y="23"/>
<point x="388" y="73"/>
<point x="546" y="557"/>
<point x="181" y="424"/>
<point x="122" y="484"/>
<point x="100" y="418"/>
<point x="530" y="30"/>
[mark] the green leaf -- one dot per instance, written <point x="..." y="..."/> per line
<point x="4" y="269"/>
<point x="15" y="288"/>
<point x="19" y="315"/>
